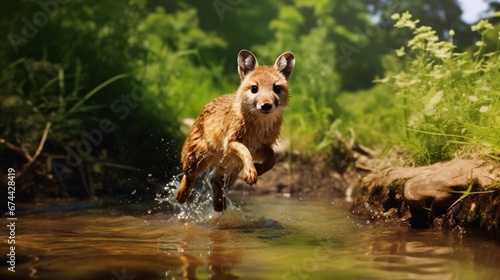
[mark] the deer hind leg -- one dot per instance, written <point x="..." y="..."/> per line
<point x="184" y="189"/>
<point x="268" y="158"/>
<point x="192" y="169"/>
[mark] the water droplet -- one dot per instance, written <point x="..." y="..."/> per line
<point x="150" y="175"/>
<point x="368" y="222"/>
<point x="149" y="211"/>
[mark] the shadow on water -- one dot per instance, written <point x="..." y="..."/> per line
<point x="261" y="238"/>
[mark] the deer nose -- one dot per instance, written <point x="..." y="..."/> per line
<point x="266" y="107"/>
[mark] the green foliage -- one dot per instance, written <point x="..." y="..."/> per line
<point x="314" y="81"/>
<point x="450" y="100"/>
<point x="44" y="98"/>
<point x="179" y="31"/>
<point x="375" y="115"/>
<point x="178" y="84"/>
<point x="86" y="61"/>
<point x="75" y="80"/>
<point x="442" y="15"/>
<point x="64" y="65"/>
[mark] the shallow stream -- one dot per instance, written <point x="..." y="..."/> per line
<point x="262" y="238"/>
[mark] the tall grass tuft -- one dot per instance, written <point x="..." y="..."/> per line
<point x="450" y="100"/>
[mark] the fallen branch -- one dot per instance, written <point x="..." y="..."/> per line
<point x="16" y="149"/>
<point x="32" y="159"/>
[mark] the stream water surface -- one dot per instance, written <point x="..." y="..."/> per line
<point x="263" y="238"/>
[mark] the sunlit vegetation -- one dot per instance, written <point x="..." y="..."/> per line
<point x="448" y="101"/>
<point x="110" y="82"/>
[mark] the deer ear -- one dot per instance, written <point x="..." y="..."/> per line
<point x="285" y="63"/>
<point x="247" y="62"/>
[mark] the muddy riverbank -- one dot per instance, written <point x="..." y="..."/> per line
<point x="459" y="195"/>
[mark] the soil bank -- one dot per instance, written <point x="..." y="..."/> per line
<point x="462" y="194"/>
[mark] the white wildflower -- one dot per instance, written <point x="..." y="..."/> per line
<point x="473" y="98"/>
<point x="400" y="52"/>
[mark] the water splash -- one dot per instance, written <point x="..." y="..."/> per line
<point x="199" y="209"/>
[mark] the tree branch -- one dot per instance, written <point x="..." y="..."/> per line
<point x="32" y="159"/>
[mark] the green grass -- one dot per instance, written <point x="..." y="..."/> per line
<point x="452" y="101"/>
<point x="376" y="116"/>
<point x="434" y="102"/>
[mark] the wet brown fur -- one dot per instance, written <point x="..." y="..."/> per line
<point x="235" y="132"/>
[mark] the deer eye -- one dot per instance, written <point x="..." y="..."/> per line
<point x="254" y="89"/>
<point x="277" y="89"/>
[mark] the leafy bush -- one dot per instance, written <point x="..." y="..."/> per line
<point x="314" y="82"/>
<point x="75" y="80"/>
<point x="450" y="100"/>
<point x="374" y="116"/>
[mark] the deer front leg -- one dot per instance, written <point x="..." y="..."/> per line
<point x="249" y="172"/>
<point x="268" y="158"/>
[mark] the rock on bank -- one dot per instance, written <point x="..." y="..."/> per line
<point x="462" y="193"/>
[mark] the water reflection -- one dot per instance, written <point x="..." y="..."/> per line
<point x="414" y="258"/>
<point x="203" y="251"/>
<point x="413" y="254"/>
<point x="269" y="239"/>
